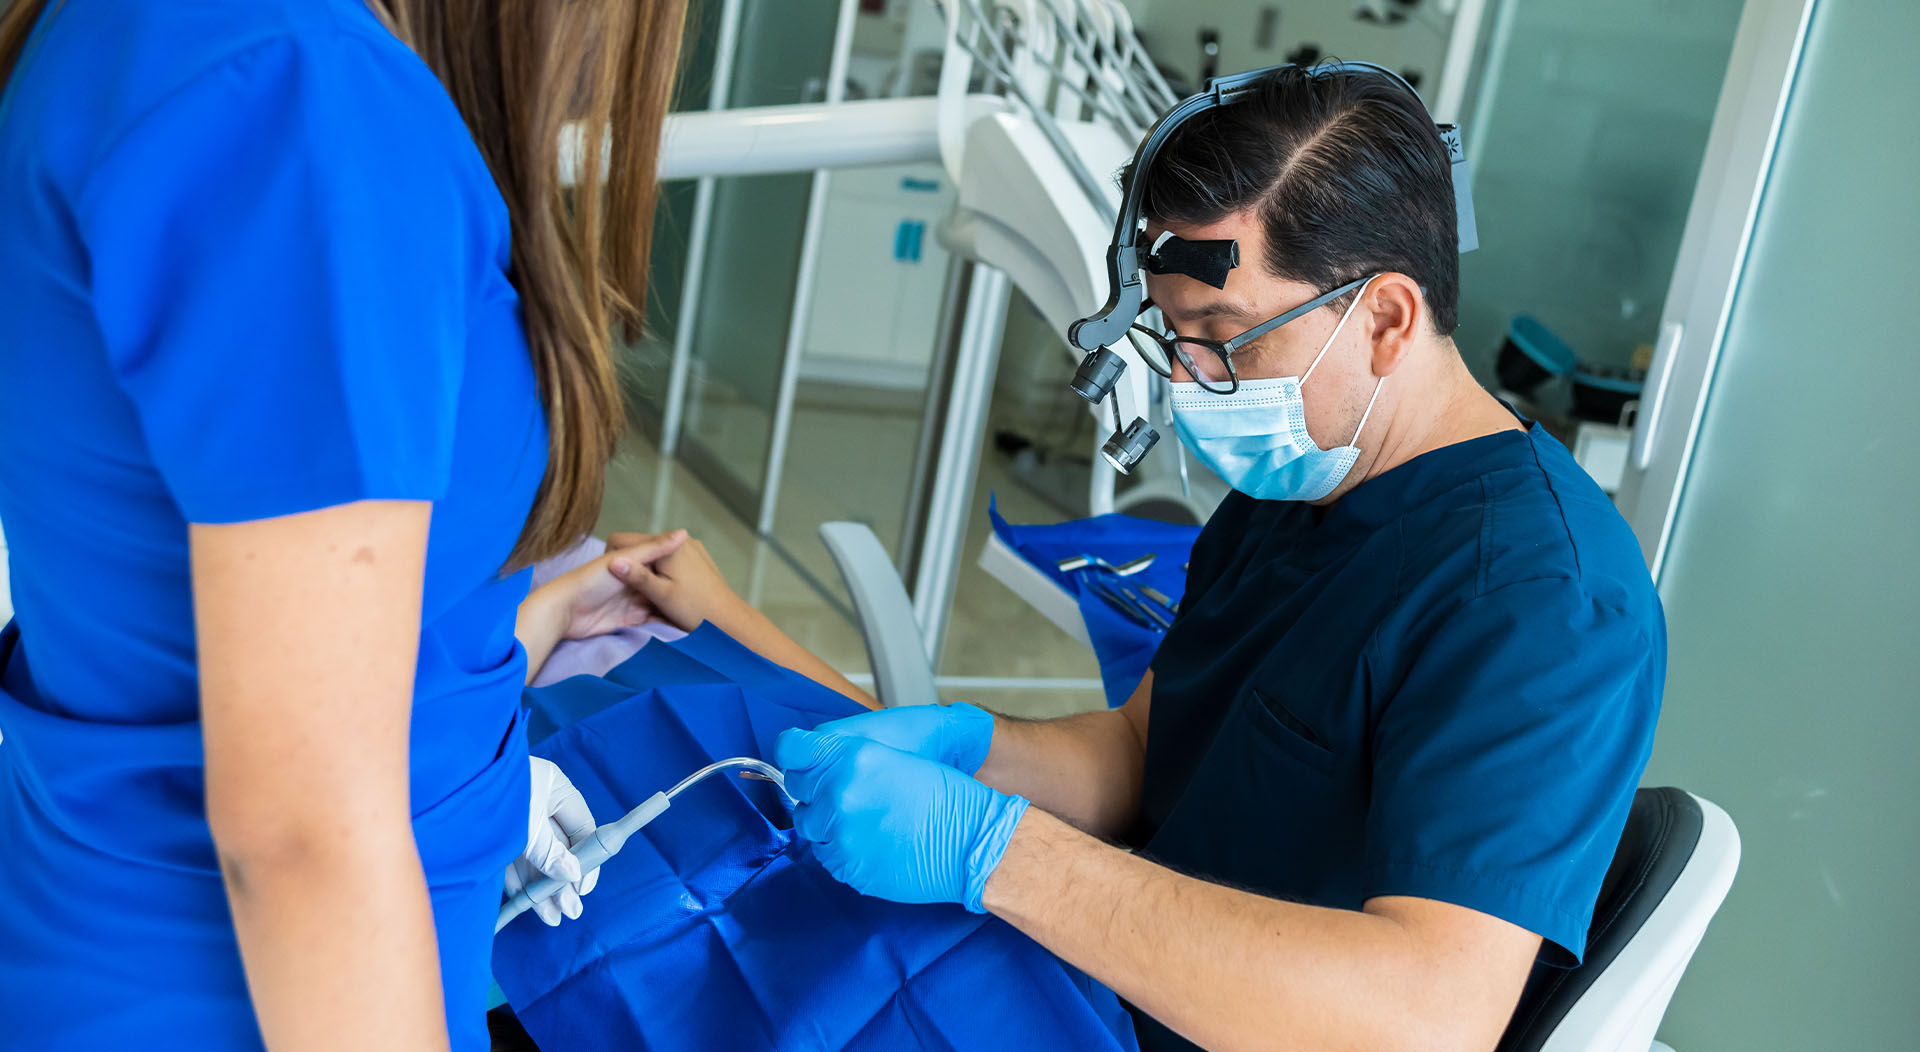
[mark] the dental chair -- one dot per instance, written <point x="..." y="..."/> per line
<point x="902" y="671"/>
<point x="1675" y="862"/>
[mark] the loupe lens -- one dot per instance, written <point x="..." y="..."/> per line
<point x="1128" y="447"/>
<point x="1097" y="374"/>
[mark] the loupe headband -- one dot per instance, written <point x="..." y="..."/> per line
<point x="1109" y="324"/>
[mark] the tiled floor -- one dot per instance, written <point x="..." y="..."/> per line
<point x="854" y="463"/>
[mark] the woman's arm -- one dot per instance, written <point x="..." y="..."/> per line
<point x="308" y="627"/>
<point x="689" y="590"/>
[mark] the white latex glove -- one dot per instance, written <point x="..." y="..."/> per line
<point x="557" y="820"/>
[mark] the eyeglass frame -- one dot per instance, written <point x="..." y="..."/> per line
<point x="1225" y="349"/>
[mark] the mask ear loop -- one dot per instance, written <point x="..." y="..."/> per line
<point x="1357" y="293"/>
<point x="1363" y="416"/>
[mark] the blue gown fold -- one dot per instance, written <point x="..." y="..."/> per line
<point x="714" y="929"/>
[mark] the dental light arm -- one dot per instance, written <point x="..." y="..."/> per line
<point x="607" y="840"/>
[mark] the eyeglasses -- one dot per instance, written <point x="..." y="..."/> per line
<point x="1160" y="351"/>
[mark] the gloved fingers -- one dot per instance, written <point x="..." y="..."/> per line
<point x="550" y="855"/>
<point x="568" y="901"/>
<point x="834" y="860"/>
<point x="805" y="755"/>
<point x="588" y="882"/>
<point x="540" y="790"/>
<point x="814" y="822"/>
<point x="957" y="735"/>
<point x="864" y="724"/>
<point x="568" y="809"/>
<point x="519" y="876"/>
<point x="548" y="910"/>
<point x="555" y="904"/>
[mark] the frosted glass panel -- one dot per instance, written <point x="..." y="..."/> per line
<point x="752" y="260"/>
<point x="1793" y="580"/>
<point x="1586" y="142"/>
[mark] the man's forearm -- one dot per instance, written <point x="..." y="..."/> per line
<point x="1225" y="968"/>
<point x="1086" y="768"/>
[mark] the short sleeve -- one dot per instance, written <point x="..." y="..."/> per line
<point x="280" y="258"/>
<point x="1506" y="760"/>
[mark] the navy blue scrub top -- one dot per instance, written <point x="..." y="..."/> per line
<point x="1443" y="685"/>
<point x="253" y="264"/>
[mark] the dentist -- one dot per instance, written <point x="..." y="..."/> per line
<point x="1379" y="766"/>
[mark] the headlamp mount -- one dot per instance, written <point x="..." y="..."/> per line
<point x="1207" y="261"/>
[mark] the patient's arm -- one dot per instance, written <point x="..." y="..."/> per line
<point x="687" y="589"/>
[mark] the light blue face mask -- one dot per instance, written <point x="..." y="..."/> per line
<point x="1256" y="438"/>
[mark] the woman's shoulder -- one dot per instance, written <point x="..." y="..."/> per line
<point x="100" y="70"/>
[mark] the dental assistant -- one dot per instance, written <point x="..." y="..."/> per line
<point x="304" y="356"/>
<point x="1383" y="756"/>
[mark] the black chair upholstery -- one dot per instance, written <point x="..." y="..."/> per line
<point x="1663" y="828"/>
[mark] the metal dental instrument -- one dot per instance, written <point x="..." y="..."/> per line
<point x="1131" y="604"/>
<point x="1127" y="608"/>
<point x="606" y="841"/>
<point x="1125" y="569"/>
<point x="1160" y="597"/>
<point x="1158" y="616"/>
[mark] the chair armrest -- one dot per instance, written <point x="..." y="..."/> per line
<point x="902" y="674"/>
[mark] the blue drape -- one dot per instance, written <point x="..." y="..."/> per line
<point x="713" y="930"/>
<point x="1124" y="648"/>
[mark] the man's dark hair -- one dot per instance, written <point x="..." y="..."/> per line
<point x="1347" y="173"/>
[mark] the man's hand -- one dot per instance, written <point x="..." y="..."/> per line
<point x="893" y="825"/>
<point x="685" y="585"/>
<point x="958" y="735"/>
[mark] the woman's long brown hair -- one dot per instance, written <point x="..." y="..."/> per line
<point x="519" y="71"/>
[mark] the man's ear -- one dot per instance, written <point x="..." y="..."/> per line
<point x="1394" y="303"/>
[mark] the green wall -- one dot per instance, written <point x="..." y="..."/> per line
<point x="1793" y="583"/>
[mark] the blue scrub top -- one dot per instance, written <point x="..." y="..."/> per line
<point x="253" y="265"/>
<point x="1444" y="685"/>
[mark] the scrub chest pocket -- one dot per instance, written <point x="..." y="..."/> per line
<point x="1271" y="797"/>
<point x="1289" y="732"/>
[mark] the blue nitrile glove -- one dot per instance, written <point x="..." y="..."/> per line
<point x="957" y="735"/>
<point x="894" y="825"/>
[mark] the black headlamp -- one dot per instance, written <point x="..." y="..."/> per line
<point x="1100" y="370"/>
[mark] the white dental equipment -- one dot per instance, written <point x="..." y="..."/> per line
<point x="607" y="840"/>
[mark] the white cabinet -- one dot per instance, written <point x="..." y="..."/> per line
<point x="879" y="276"/>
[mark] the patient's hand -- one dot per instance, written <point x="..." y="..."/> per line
<point x="684" y="586"/>
<point x="591" y="600"/>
